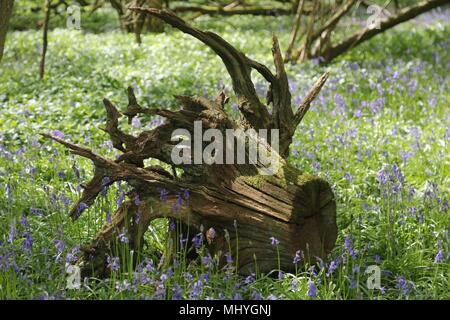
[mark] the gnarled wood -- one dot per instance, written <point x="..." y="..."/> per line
<point x="244" y="206"/>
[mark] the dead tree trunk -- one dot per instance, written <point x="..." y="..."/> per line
<point x="243" y="204"/>
<point x="318" y="41"/>
<point x="6" y="7"/>
<point x="357" y="38"/>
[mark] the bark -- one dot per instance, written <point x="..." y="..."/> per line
<point x="6" y="7"/>
<point x="244" y="207"/>
<point x="135" y="22"/>
<point x="44" y="39"/>
<point x="365" y="34"/>
<point x="246" y="10"/>
<point x="294" y="31"/>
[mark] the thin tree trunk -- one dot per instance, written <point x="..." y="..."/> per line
<point x="294" y="31"/>
<point x="304" y="51"/>
<point x="6" y="7"/>
<point x="44" y="39"/>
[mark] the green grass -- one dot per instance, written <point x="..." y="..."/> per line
<point x="379" y="133"/>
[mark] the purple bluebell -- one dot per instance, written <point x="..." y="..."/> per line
<point x="404" y="285"/>
<point x="120" y="198"/>
<point x="59" y="245"/>
<point x="113" y="263"/>
<point x="197" y="240"/>
<point x="81" y="207"/>
<point x="274" y="241"/>
<point x="312" y="291"/>
<point x="439" y="256"/>
<point x="27" y="243"/>
<point x="172" y="224"/>
<point x="58" y="134"/>
<point x="137" y="200"/>
<point x="250" y="279"/>
<point x="256" y="295"/>
<point x="24" y="222"/>
<point x="297" y="257"/>
<point x="123" y="238"/>
<point x="332" y="267"/>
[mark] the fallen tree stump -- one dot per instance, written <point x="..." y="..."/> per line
<point x="237" y="208"/>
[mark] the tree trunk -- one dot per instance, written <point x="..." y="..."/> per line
<point x="237" y="208"/>
<point x="6" y="7"/>
<point x="136" y="22"/>
<point x="44" y="39"/>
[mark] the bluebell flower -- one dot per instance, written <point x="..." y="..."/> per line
<point x="123" y="238"/>
<point x="404" y="285"/>
<point x="250" y="279"/>
<point x="24" y="222"/>
<point x="312" y="291"/>
<point x="120" y="198"/>
<point x="81" y="207"/>
<point x="332" y="267"/>
<point x="280" y="275"/>
<point x="27" y="243"/>
<point x="439" y="256"/>
<point x="274" y="241"/>
<point x="136" y="123"/>
<point x="59" y="245"/>
<point x="113" y="263"/>
<point x="172" y="224"/>
<point x="187" y="276"/>
<point x="197" y="240"/>
<point x="237" y="296"/>
<point x="294" y="284"/>
<point x="58" y="134"/>
<point x="256" y="295"/>
<point x="297" y="257"/>
<point x="229" y="258"/>
<point x="149" y="265"/>
<point x="182" y="241"/>
<point x="137" y="200"/>
<point x="177" y="292"/>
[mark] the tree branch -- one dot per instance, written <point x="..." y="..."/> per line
<point x="390" y="22"/>
<point x="237" y="64"/>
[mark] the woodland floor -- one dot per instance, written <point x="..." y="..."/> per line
<point x="379" y="132"/>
